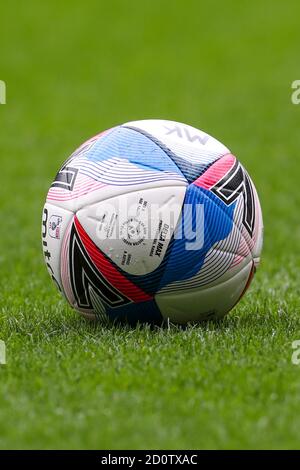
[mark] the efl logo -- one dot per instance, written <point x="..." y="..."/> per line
<point x="2" y="353"/>
<point x="55" y="226"/>
<point x="2" y="92"/>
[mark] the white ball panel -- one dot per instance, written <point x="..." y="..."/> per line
<point x="111" y="191"/>
<point x="134" y="229"/>
<point x="186" y="141"/>
<point x="259" y="230"/>
<point x="199" y="304"/>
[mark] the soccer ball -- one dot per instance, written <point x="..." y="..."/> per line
<point x="152" y="220"/>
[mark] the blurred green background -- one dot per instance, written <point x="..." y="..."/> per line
<point x="73" y="69"/>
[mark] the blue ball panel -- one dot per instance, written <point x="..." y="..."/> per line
<point x="145" y="312"/>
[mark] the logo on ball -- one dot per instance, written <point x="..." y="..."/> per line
<point x="133" y="231"/>
<point x="55" y="226"/>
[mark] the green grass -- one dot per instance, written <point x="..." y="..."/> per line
<point x="73" y="69"/>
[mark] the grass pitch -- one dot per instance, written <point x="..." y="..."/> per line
<point x="72" y="70"/>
